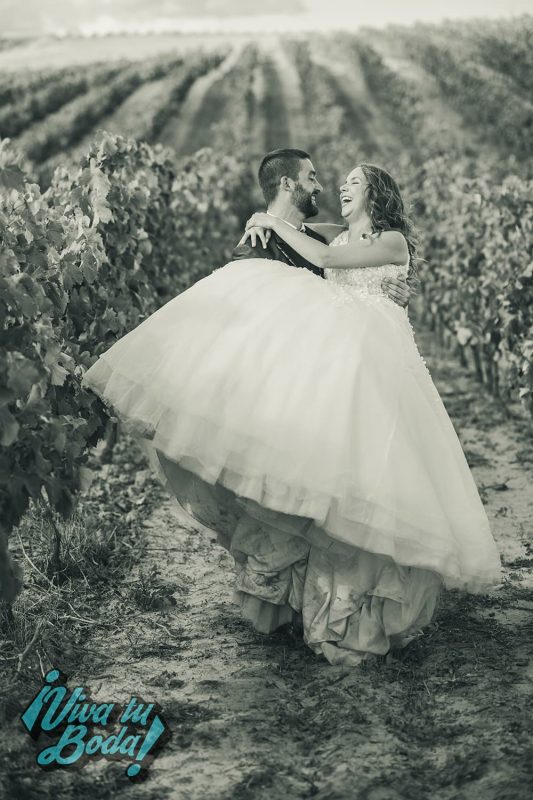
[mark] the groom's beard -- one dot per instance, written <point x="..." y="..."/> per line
<point x="302" y="200"/>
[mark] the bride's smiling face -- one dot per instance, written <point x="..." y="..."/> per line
<point x="352" y="194"/>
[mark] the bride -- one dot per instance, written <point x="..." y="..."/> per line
<point x="296" y="417"/>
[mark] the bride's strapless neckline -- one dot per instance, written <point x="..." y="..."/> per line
<point x="365" y="281"/>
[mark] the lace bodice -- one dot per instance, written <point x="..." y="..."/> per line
<point x="365" y="281"/>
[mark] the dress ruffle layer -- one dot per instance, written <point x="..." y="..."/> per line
<point x="351" y="602"/>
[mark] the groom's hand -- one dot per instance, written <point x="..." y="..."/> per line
<point x="397" y="289"/>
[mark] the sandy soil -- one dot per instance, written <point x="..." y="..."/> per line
<point x="255" y="716"/>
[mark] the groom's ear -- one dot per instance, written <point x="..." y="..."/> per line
<point x="286" y="184"/>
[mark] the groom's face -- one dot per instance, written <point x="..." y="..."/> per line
<point x="307" y="189"/>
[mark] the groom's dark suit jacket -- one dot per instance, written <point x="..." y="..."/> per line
<point x="279" y="250"/>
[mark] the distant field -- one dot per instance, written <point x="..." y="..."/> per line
<point x="49" y="53"/>
<point x="287" y="90"/>
<point x="405" y="91"/>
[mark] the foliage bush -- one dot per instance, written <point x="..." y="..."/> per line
<point x="80" y="265"/>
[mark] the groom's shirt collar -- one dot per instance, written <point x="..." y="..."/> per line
<point x="301" y="228"/>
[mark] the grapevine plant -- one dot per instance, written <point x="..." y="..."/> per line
<point x="80" y="266"/>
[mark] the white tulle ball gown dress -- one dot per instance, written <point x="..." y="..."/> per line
<point x="296" y="418"/>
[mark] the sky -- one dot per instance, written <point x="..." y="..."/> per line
<point x="36" y="17"/>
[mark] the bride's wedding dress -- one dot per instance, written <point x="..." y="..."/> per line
<point x="296" y="417"/>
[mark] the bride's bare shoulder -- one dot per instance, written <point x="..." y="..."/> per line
<point x="328" y="230"/>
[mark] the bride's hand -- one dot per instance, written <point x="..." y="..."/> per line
<point x="261" y="220"/>
<point x="253" y="234"/>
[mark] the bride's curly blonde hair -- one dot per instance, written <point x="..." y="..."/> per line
<point x="386" y="209"/>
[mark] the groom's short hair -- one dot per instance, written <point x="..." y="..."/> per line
<point x="275" y="165"/>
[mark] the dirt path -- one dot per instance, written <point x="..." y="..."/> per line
<point x="289" y="96"/>
<point x="255" y="716"/>
<point x="347" y="84"/>
<point x="258" y="122"/>
<point x="181" y="132"/>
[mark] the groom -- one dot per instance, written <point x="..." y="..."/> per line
<point x="290" y="187"/>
